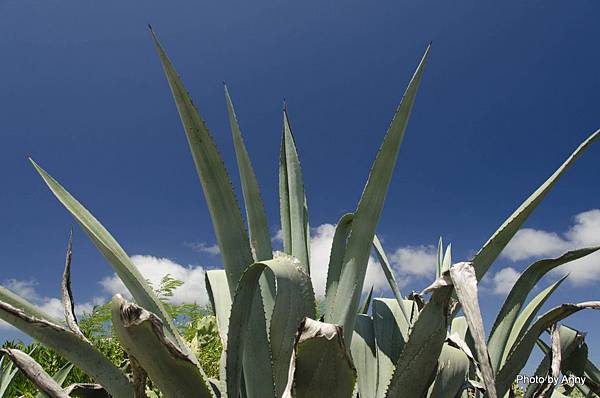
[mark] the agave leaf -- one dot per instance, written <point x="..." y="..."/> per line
<point x="224" y="211"/>
<point x="440" y="258"/>
<point x="67" y="294"/>
<point x="522" y="349"/>
<point x="168" y="367"/>
<point x="364" y="308"/>
<point x="59" y="377"/>
<point x="225" y="214"/>
<point x="459" y="326"/>
<point x="294" y="301"/>
<point x="70" y="346"/>
<point x="258" y="226"/>
<point x="113" y="253"/>
<point x="526" y="317"/>
<point x="418" y="359"/>
<point x="260" y="240"/>
<point x="506" y="318"/>
<point x="390" y="327"/>
<point x="569" y="340"/>
<point x="19" y="302"/>
<point x="7" y="373"/>
<point x="452" y="370"/>
<point x="592" y="377"/>
<point x="35" y="373"/>
<point x="294" y="213"/>
<point x="323" y="368"/>
<point x="336" y="256"/>
<point x="447" y="261"/>
<point x="545" y="390"/>
<point x="343" y="307"/>
<point x="465" y="284"/>
<point x="364" y="355"/>
<point x="220" y="300"/>
<point x="492" y="248"/>
<point x="389" y="274"/>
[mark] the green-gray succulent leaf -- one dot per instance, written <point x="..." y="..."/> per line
<point x="114" y="255"/>
<point x="498" y="241"/>
<point x="465" y="284"/>
<point x="294" y="301"/>
<point x="364" y="355"/>
<point x="220" y="300"/>
<point x="225" y="213"/>
<point x="343" y="306"/>
<point x="258" y="226"/>
<point x="292" y="198"/>
<point x="67" y="344"/>
<point x="506" y="318"/>
<point x="451" y="373"/>
<point x="142" y="335"/>
<point x="521" y="351"/>
<point x="417" y="363"/>
<point x="322" y="366"/>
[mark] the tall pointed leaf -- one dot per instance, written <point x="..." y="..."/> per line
<point x="35" y="373"/>
<point x="440" y="258"/>
<point x="465" y="284"/>
<point x="59" y="377"/>
<point x="418" y="360"/>
<point x="503" y="325"/>
<point x="527" y="316"/>
<point x="342" y="308"/>
<point x="220" y="300"/>
<point x="389" y="275"/>
<point x="364" y="355"/>
<point x="141" y="334"/>
<point x="364" y="308"/>
<point x="294" y="301"/>
<point x="114" y="255"/>
<point x="7" y="374"/>
<point x="224" y="211"/>
<point x="258" y="226"/>
<point x="294" y="210"/>
<point x="391" y="334"/>
<point x="67" y="294"/>
<point x="71" y="347"/>
<point x="336" y="256"/>
<point x="492" y="248"/>
<point x="522" y="349"/>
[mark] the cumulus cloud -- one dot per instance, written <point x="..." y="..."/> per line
<point x="503" y="281"/>
<point x="203" y="247"/>
<point x="530" y="243"/>
<point x="415" y="261"/>
<point x="50" y="305"/>
<point x="154" y="269"/>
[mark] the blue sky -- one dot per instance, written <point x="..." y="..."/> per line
<point x="509" y="91"/>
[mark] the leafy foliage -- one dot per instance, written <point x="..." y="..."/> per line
<point x="198" y="328"/>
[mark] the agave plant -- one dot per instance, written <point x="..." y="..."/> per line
<point x="264" y="302"/>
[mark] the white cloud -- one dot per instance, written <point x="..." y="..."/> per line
<point x="415" y="261"/>
<point x="50" y="305"/>
<point x="531" y="243"/>
<point x="154" y="269"/>
<point x="203" y="247"/>
<point x="25" y="289"/>
<point x="503" y="280"/>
